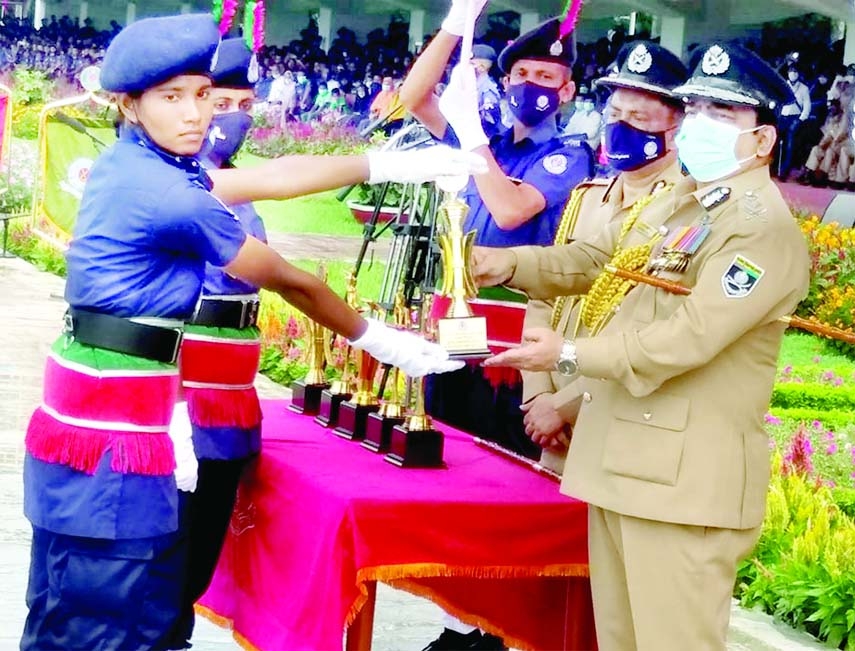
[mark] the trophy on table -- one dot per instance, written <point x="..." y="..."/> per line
<point x="415" y="443"/>
<point x="378" y="431"/>
<point x="461" y="333"/>
<point x="342" y="389"/>
<point x="306" y="393"/>
<point x="353" y="412"/>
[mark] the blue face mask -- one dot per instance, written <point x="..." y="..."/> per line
<point x="627" y="148"/>
<point x="707" y="147"/>
<point x="225" y="137"/>
<point x="531" y="104"/>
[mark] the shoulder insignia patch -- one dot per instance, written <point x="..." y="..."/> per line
<point x="715" y="197"/>
<point x="741" y="277"/>
<point x="555" y="164"/>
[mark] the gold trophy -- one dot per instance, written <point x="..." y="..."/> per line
<point x="415" y="443"/>
<point x="463" y="335"/>
<point x="378" y="431"/>
<point x="342" y="389"/>
<point x="353" y="413"/>
<point x="306" y="393"/>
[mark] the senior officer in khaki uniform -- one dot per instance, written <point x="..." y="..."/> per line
<point x="669" y="447"/>
<point x="641" y="121"/>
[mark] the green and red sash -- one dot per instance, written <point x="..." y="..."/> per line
<point x="96" y="401"/>
<point x="218" y="368"/>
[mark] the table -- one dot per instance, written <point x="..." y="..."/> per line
<point x="320" y="519"/>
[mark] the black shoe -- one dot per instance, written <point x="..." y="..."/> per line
<point x="451" y="640"/>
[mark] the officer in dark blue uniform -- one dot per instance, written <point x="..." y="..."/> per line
<point x="100" y="474"/>
<point x="520" y="200"/>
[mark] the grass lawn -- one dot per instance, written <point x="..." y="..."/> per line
<point x="367" y="285"/>
<point x="320" y="213"/>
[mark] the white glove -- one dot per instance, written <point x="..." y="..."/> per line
<point x="459" y="105"/>
<point x="422" y="165"/>
<point x="407" y="351"/>
<point x="181" y="433"/>
<point x="455" y="21"/>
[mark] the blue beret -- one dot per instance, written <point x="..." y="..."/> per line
<point x="732" y="75"/>
<point x="541" y="44"/>
<point x="233" y="65"/>
<point x="150" y="51"/>
<point x="646" y="66"/>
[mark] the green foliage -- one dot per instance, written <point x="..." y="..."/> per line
<point x="32" y="89"/>
<point x="814" y="397"/>
<point x="24" y="243"/>
<point x="269" y="141"/>
<point x="834" y="419"/>
<point x="803" y="569"/>
<point x="17" y="198"/>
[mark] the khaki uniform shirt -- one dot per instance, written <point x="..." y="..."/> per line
<point x="602" y="204"/>
<point x="674" y="388"/>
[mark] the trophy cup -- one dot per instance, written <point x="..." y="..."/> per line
<point x="415" y="443"/>
<point x="378" y="431"/>
<point x="342" y="389"/>
<point x="353" y="413"/>
<point x="463" y="335"/>
<point x="306" y="393"/>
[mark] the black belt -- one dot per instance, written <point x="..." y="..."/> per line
<point x="227" y="313"/>
<point x="123" y="336"/>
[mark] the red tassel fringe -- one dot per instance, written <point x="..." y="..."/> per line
<point x="223" y="407"/>
<point x="82" y="448"/>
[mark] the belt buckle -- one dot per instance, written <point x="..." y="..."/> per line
<point x="178" y="339"/>
<point x="248" y="312"/>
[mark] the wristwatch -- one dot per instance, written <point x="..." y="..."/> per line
<point x="566" y="364"/>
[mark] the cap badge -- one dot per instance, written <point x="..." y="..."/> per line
<point x="716" y="61"/>
<point x="252" y="71"/>
<point x="639" y="60"/>
<point x="216" y="57"/>
<point x="556" y="49"/>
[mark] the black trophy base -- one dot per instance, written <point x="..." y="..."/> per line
<point x="306" y="398"/>
<point x="416" y="448"/>
<point x="329" y="410"/>
<point x="352" y="420"/>
<point x="378" y="432"/>
<point x="470" y="355"/>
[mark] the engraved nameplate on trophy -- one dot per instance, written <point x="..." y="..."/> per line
<point x="461" y="333"/>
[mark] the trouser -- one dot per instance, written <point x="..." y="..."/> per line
<point x="788" y="128"/>
<point x="205" y="515"/>
<point x="659" y="586"/>
<point x="92" y="594"/>
<point x="465" y="399"/>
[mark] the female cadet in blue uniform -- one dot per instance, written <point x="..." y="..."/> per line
<point x="220" y="355"/>
<point x="99" y="489"/>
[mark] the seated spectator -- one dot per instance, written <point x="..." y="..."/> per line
<point x="586" y="121"/>
<point x="822" y="163"/>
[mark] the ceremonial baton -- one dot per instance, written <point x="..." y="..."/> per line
<point x="518" y="458"/>
<point x="675" y="288"/>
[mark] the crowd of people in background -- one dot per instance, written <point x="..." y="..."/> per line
<point x="355" y="83"/>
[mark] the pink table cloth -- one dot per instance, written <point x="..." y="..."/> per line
<point x="490" y="541"/>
